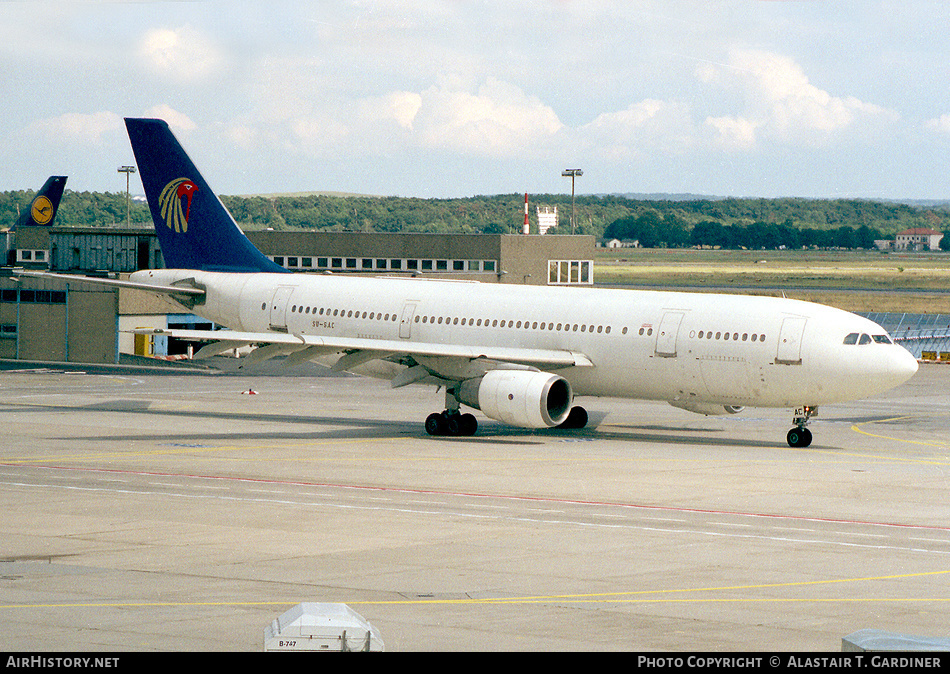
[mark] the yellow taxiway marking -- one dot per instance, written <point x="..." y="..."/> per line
<point x="857" y="429"/>
<point x="638" y="596"/>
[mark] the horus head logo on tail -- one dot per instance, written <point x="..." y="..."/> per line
<point x="175" y="203"/>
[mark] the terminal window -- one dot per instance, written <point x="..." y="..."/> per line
<point x="393" y="264"/>
<point x="570" y="272"/>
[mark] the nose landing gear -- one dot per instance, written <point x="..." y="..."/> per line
<point x="801" y="436"/>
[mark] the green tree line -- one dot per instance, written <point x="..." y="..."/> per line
<point x="752" y="223"/>
<point x="653" y="231"/>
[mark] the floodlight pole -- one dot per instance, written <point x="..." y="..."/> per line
<point x="572" y="173"/>
<point x="128" y="204"/>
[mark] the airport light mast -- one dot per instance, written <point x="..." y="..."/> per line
<point x="127" y="170"/>
<point x="572" y="174"/>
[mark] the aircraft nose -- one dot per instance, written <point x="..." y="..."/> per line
<point x="902" y="365"/>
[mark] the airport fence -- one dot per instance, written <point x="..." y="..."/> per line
<point x="927" y="336"/>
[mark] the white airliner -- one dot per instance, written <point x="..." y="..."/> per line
<point x="520" y="354"/>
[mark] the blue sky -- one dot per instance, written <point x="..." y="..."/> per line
<point x="455" y="98"/>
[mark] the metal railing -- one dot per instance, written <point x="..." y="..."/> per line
<point x="927" y="336"/>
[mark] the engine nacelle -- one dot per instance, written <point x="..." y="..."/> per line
<point x="709" y="409"/>
<point x="522" y="398"/>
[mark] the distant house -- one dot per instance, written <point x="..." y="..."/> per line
<point x="918" y="238"/>
<point x="627" y="243"/>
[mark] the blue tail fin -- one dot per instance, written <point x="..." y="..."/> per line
<point x="42" y="209"/>
<point x="194" y="228"/>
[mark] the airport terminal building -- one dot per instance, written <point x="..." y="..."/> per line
<point x="54" y="320"/>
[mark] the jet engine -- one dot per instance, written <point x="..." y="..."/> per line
<point x="522" y="398"/>
<point x="709" y="409"/>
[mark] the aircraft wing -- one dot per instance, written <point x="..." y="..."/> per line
<point x="359" y="350"/>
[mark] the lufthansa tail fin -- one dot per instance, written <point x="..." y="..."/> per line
<point x="42" y="209"/>
<point x="194" y="228"/>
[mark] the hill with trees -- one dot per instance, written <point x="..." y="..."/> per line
<point x="654" y="222"/>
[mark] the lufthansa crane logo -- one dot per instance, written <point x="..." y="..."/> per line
<point x="175" y="203"/>
<point x="42" y="210"/>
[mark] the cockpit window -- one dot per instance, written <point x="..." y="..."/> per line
<point x="861" y="338"/>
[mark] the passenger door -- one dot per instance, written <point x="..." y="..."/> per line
<point x="405" y="321"/>
<point x="667" y="333"/>
<point x="278" y="308"/>
<point x="790" y="341"/>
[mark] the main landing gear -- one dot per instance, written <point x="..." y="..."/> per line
<point x="801" y="436"/>
<point x="451" y="422"/>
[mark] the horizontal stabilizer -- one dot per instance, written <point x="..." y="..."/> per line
<point x="95" y="280"/>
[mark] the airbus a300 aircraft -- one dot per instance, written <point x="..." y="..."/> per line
<point x="520" y="354"/>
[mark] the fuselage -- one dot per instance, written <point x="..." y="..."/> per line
<point x="673" y="346"/>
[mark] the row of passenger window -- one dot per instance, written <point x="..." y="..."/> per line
<point x="448" y="320"/>
<point x="526" y="325"/>
<point x="729" y="336"/>
<point x="861" y="339"/>
<point x="518" y="325"/>
<point x="342" y="313"/>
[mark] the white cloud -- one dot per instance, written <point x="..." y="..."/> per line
<point x="316" y="133"/>
<point x="940" y="124"/>
<point x="183" y="55"/>
<point x="241" y="135"/>
<point x="732" y="133"/>
<point x="401" y="106"/>
<point x="176" y="120"/>
<point x="782" y="104"/>
<point x="498" y="120"/>
<point x="77" y="127"/>
<point x="643" y="128"/>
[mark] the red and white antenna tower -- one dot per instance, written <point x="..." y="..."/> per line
<point x="527" y="228"/>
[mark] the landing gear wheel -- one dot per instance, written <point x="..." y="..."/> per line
<point x="576" y="418"/>
<point x="468" y="424"/>
<point x="435" y="424"/>
<point x="451" y="423"/>
<point x="799" y="437"/>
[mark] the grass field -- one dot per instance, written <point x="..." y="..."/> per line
<point x="854" y="281"/>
